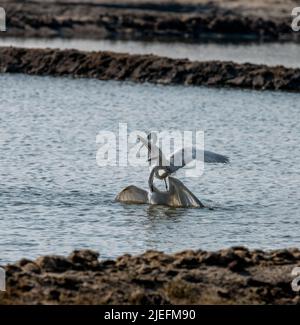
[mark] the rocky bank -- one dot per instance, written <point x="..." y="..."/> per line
<point x="147" y="68"/>
<point x="229" y="276"/>
<point x="191" y="20"/>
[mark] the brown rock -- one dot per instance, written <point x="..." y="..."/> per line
<point x="227" y="276"/>
<point x="147" y="68"/>
<point x="54" y="264"/>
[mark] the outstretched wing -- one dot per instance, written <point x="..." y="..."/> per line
<point x="132" y="194"/>
<point x="184" y="156"/>
<point x="181" y="196"/>
<point x="212" y="157"/>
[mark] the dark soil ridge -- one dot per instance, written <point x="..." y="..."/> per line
<point x="229" y="276"/>
<point x="147" y="68"/>
<point x="167" y="6"/>
<point x="146" y="21"/>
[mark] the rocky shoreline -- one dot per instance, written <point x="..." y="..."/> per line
<point x="229" y="276"/>
<point x="192" y="20"/>
<point x="147" y="68"/>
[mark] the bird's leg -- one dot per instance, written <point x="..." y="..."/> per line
<point x="166" y="184"/>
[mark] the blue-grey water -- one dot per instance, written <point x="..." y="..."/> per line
<point x="287" y="54"/>
<point x="55" y="198"/>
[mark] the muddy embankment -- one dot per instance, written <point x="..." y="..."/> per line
<point x="234" y="275"/>
<point x="190" y="20"/>
<point x="147" y="68"/>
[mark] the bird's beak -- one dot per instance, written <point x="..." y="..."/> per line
<point x="141" y="147"/>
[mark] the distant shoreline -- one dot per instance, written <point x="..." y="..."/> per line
<point x="147" y="68"/>
<point x="229" y="276"/>
<point x="193" y="20"/>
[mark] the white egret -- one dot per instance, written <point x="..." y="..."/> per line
<point x="177" y="195"/>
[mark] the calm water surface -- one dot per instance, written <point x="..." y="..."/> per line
<point x="54" y="197"/>
<point x="287" y="54"/>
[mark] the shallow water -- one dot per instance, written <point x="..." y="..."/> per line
<point x="287" y="54"/>
<point x="54" y="197"/>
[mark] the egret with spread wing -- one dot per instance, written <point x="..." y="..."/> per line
<point x="179" y="159"/>
<point x="177" y="195"/>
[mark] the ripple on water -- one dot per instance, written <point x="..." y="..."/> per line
<point x="54" y="198"/>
